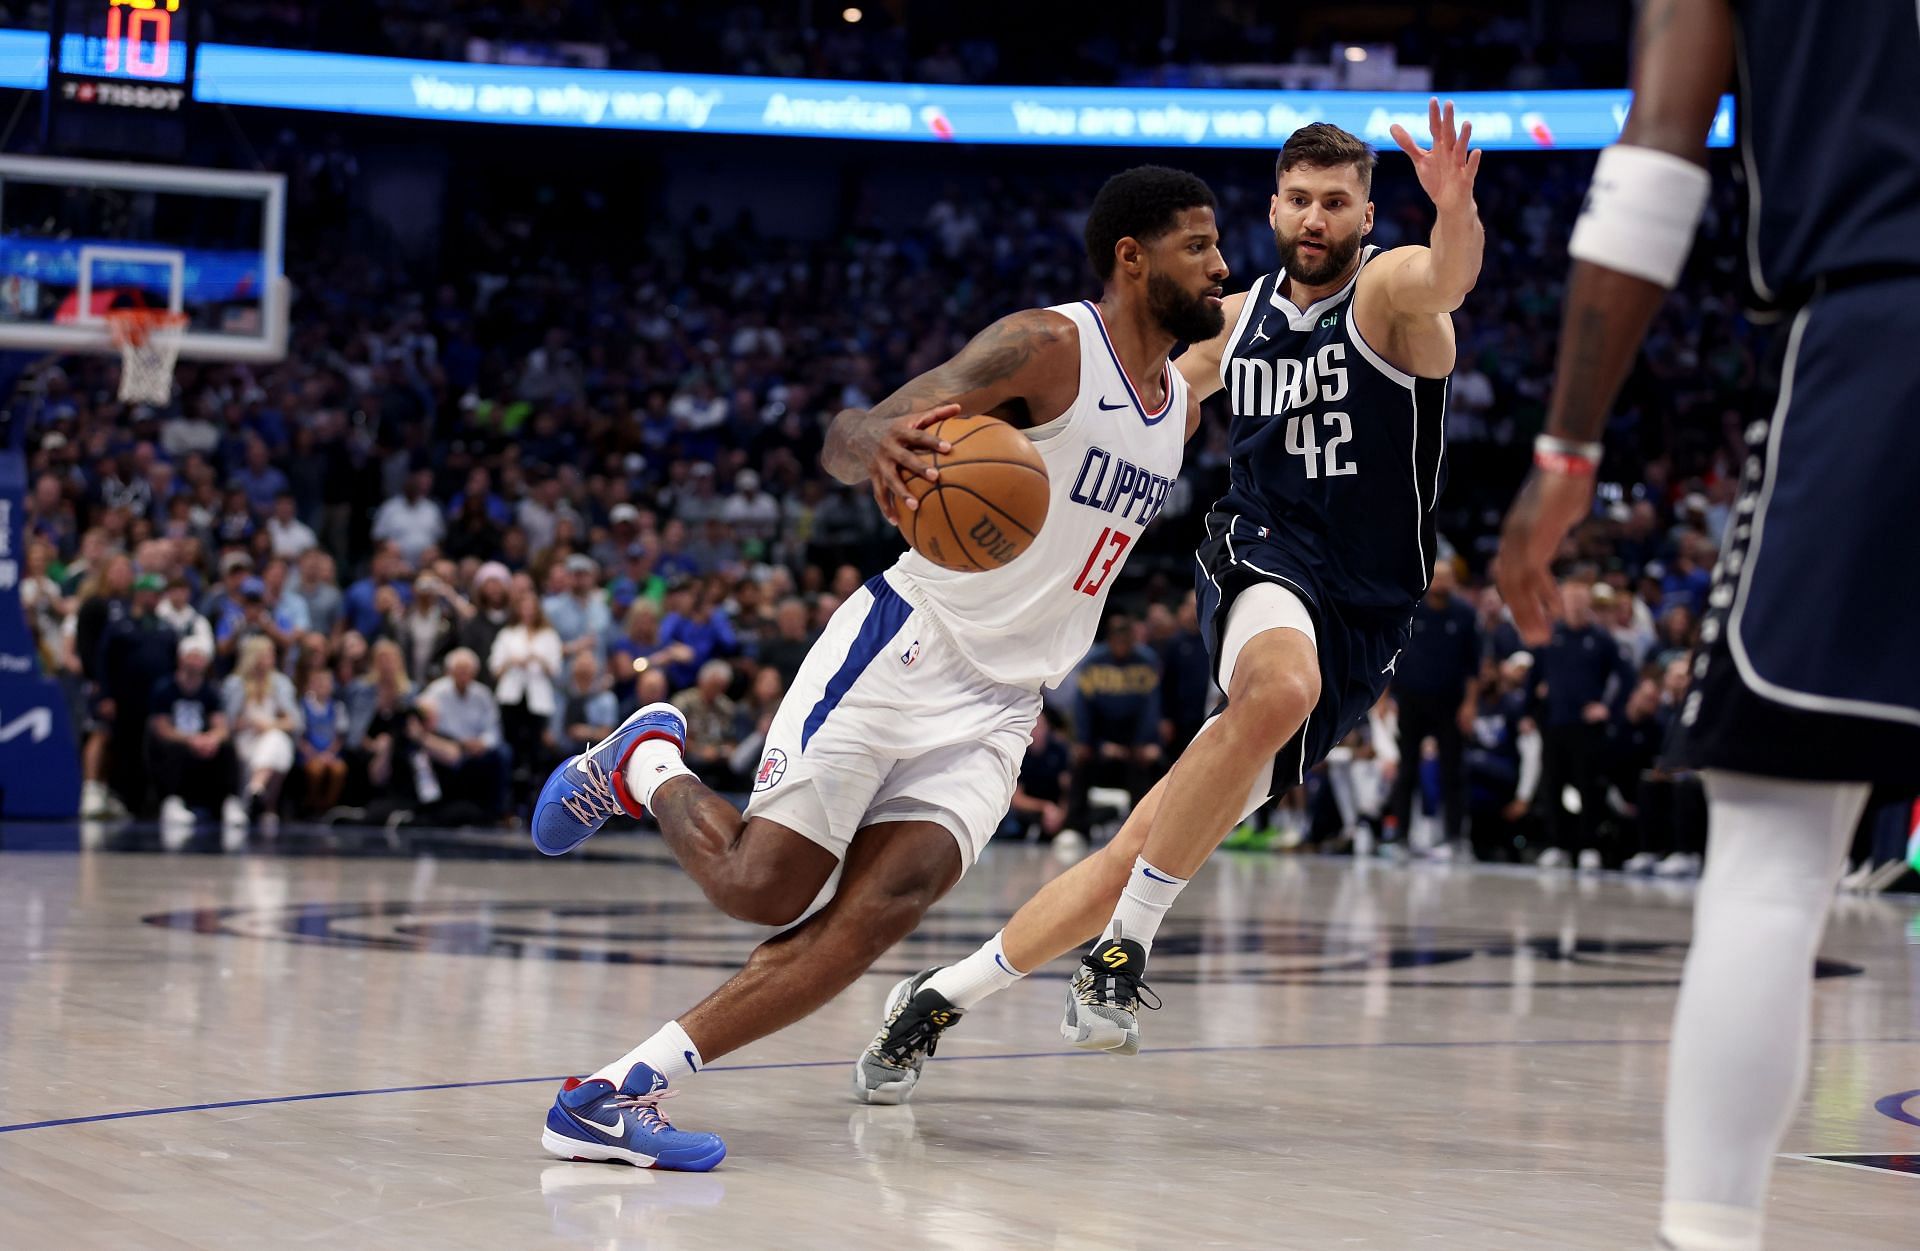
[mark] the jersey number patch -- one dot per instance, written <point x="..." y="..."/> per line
<point x="1322" y="459"/>
<point x="1090" y="581"/>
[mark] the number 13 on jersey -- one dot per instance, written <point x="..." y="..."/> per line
<point x="1111" y="545"/>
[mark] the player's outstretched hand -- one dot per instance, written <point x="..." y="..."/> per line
<point x="892" y="455"/>
<point x="1548" y="507"/>
<point x="1446" y="170"/>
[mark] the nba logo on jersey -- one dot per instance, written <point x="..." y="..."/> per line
<point x="772" y="769"/>
<point x="911" y="654"/>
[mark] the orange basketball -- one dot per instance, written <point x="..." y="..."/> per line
<point x="989" y="503"/>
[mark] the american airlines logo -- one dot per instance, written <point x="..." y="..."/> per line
<point x="36" y="723"/>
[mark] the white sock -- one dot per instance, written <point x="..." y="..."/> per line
<point x="983" y="973"/>
<point x="1709" y="1227"/>
<point x="1740" y="1032"/>
<point x="669" y="1053"/>
<point x="1144" y="903"/>
<point x="652" y="763"/>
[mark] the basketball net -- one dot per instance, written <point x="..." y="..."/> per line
<point x="149" y="343"/>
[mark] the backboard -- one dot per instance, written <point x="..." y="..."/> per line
<point x="78" y="238"/>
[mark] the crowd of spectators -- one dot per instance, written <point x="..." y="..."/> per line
<point x="486" y="508"/>
<point x="1469" y="44"/>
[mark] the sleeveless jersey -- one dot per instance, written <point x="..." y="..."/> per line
<point x="1110" y="463"/>
<point x="1829" y="119"/>
<point x="1339" y="455"/>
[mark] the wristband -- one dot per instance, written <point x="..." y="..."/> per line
<point x="1641" y="213"/>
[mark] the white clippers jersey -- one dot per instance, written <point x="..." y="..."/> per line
<point x="1110" y="464"/>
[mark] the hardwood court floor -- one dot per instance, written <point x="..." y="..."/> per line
<point x="331" y="1051"/>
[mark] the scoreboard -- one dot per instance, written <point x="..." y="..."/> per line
<point x="123" y="54"/>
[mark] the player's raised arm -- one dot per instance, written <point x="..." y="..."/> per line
<point x="1022" y="364"/>
<point x="1435" y="279"/>
<point x="1629" y="247"/>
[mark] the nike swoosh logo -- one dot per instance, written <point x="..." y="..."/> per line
<point x="617" y="1128"/>
<point x="1108" y="408"/>
<point x="1156" y="877"/>
<point x="693" y="1061"/>
<point x="1002" y="963"/>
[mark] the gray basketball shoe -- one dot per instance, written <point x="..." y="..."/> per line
<point x="1105" y="996"/>
<point x="890" y="1067"/>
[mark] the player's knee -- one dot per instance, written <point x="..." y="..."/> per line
<point x="891" y="909"/>
<point x="1270" y="702"/>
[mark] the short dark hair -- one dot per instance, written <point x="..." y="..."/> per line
<point x="1139" y="203"/>
<point x="1324" y="146"/>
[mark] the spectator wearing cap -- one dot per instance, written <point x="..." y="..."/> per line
<point x="177" y="610"/>
<point x="189" y="746"/>
<point x="694" y="631"/>
<point x="753" y="514"/>
<point x="621" y="538"/>
<point x="264" y="713"/>
<point x="492" y="593"/>
<point x="463" y="739"/>
<point x="526" y="660"/>
<point x="290" y="537"/>
<point x="410" y="520"/>
<point x="579" y="613"/>
<point x="235" y="568"/>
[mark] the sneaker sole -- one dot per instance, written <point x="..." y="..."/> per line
<point x="1098" y="1034"/>
<point x="565" y="1148"/>
<point x="887" y="1094"/>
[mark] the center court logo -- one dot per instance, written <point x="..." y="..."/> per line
<point x="772" y="769"/>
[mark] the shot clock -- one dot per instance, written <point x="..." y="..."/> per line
<point x="125" y="53"/>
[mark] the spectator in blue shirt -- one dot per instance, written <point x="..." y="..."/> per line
<point x="694" y="633"/>
<point x="580" y="614"/>
<point x="259" y="479"/>
<point x="387" y="568"/>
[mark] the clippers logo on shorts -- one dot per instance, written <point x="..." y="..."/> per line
<point x="772" y="769"/>
<point x="911" y="654"/>
<point x="1112" y="485"/>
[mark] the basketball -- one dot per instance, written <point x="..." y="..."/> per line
<point x="989" y="503"/>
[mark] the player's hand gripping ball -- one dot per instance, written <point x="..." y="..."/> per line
<point x="989" y="501"/>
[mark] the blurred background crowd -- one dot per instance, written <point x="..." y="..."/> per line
<point x="548" y="450"/>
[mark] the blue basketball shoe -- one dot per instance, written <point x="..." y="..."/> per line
<point x="589" y="788"/>
<point x="592" y="1121"/>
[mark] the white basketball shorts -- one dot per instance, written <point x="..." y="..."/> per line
<point x="886" y="721"/>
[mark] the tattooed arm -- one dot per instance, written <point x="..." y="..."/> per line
<point x="1683" y="58"/>
<point x="1024" y="369"/>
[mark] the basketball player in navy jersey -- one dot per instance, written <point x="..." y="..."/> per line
<point x="892" y="759"/>
<point x="1336" y="367"/>
<point x="1806" y="689"/>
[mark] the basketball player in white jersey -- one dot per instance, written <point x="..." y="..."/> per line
<point x="893" y="757"/>
<point x="1335" y="368"/>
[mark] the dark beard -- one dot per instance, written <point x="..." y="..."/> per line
<point x="1188" y="318"/>
<point x="1340" y="254"/>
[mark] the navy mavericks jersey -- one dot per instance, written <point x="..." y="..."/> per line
<point x="1337" y="453"/>
<point x="1829" y="118"/>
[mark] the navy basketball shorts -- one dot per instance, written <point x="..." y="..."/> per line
<point x="1357" y="647"/>
<point x="1809" y="665"/>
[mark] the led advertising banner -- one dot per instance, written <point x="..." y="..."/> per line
<point x="827" y="109"/>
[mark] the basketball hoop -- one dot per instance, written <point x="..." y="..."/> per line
<point x="149" y="343"/>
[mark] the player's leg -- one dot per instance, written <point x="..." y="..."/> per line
<point x="752" y="870"/>
<point x="1740" y="1032"/>
<point x="894" y="872"/>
